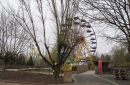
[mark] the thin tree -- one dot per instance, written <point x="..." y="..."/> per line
<point x="119" y="55"/>
<point x="13" y="40"/>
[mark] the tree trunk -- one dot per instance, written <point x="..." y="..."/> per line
<point x="3" y="65"/>
<point x="129" y="48"/>
<point x="56" y="71"/>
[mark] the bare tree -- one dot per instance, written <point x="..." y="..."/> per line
<point x="114" y="14"/>
<point x="13" y="40"/>
<point x="62" y="13"/>
<point x="65" y="32"/>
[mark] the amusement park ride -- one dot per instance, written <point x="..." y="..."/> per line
<point x="87" y="43"/>
<point x="34" y="53"/>
<point x="85" y="49"/>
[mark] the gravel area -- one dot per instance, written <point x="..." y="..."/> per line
<point x="27" y="77"/>
<point x="86" y="78"/>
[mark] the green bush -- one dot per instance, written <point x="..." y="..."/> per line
<point x="125" y="64"/>
<point x="30" y="62"/>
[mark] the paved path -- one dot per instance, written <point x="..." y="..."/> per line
<point x="89" y="78"/>
<point x="86" y="78"/>
<point x="118" y="82"/>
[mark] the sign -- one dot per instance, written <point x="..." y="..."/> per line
<point x="100" y="66"/>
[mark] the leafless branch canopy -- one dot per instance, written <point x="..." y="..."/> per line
<point x="113" y="13"/>
<point x="12" y="37"/>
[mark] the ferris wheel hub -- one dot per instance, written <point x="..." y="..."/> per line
<point x="80" y="38"/>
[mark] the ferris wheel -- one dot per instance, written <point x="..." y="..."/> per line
<point x="86" y="38"/>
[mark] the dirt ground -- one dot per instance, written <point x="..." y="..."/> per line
<point x="27" y="77"/>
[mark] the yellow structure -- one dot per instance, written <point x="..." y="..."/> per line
<point x="66" y="67"/>
<point x="89" y="56"/>
<point x="35" y="53"/>
<point x="77" y="56"/>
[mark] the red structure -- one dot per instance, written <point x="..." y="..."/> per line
<point x="100" y="66"/>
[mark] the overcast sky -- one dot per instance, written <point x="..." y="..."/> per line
<point x="102" y="45"/>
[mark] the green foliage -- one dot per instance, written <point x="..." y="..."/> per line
<point x="125" y="64"/>
<point x="9" y="58"/>
<point x="0" y="65"/>
<point x="103" y="57"/>
<point x="13" y="58"/>
<point x="106" y="57"/>
<point x="20" y="60"/>
<point x="120" y="56"/>
<point x="30" y="62"/>
<point x="54" y="52"/>
<point x="128" y="57"/>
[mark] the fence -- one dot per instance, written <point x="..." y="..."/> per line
<point x="81" y="68"/>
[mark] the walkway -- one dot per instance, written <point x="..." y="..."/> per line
<point x="90" y="78"/>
